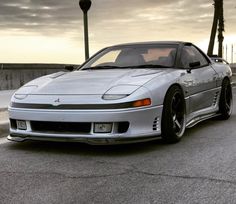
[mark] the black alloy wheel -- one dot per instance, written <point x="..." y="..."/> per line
<point x="173" y="116"/>
<point x="226" y="100"/>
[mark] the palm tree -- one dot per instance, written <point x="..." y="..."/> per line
<point x="214" y="27"/>
<point x="221" y="28"/>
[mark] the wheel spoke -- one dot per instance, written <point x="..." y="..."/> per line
<point x="177" y="123"/>
<point x="227" y="106"/>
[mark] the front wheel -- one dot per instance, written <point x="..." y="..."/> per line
<point x="173" y="115"/>
<point x="226" y="100"/>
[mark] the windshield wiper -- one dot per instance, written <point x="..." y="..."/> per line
<point x="101" y="67"/>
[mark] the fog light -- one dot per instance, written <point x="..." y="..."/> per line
<point x="102" y="127"/>
<point x="21" y="124"/>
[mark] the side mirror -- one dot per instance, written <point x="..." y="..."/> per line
<point x="193" y="65"/>
<point x="69" y="68"/>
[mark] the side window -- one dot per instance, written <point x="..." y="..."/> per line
<point x="191" y="54"/>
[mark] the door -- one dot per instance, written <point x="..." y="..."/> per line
<point x="200" y="81"/>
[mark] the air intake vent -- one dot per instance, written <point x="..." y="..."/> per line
<point x="155" y="124"/>
<point x="123" y="127"/>
<point x="61" y="127"/>
<point x="215" y="98"/>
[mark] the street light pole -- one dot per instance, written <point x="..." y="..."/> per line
<point x="85" y="6"/>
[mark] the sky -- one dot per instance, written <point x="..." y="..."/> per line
<point x="51" y="31"/>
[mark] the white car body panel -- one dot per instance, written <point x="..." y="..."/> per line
<point x="77" y="97"/>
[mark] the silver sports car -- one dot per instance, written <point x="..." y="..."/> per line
<point x="124" y="93"/>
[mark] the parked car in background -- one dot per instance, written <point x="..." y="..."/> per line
<point x="124" y="93"/>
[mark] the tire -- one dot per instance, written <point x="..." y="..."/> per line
<point x="173" y="116"/>
<point x="226" y="100"/>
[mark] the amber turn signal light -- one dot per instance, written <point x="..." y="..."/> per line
<point x="143" y="102"/>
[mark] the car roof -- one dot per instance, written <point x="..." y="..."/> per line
<point x="153" y="42"/>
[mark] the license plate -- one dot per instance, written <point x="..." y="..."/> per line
<point x="21" y="125"/>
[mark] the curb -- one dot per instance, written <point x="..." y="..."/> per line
<point x="3" y="109"/>
<point x="4" y="129"/>
<point x="4" y="124"/>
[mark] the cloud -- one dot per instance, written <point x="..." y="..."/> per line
<point x="55" y="17"/>
<point x="38" y="15"/>
<point x="114" y="21"/>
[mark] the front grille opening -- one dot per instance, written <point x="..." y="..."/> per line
<point x="13" y="124"/>
<point x="123" y="127"/>
<point x="60" y="127"/>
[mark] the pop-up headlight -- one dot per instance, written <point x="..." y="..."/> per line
<point x="114" y="96"/>
<point x="23" y="92"/>
<point x="119" y="92"/>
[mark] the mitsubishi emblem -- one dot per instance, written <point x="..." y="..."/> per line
<point x="57" y="101"/>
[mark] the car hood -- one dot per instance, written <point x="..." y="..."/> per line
<point x="95" y="82"/>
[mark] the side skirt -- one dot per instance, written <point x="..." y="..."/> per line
<point x="199" y="119"/>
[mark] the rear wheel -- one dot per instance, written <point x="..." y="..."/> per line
<point x="226" y="100"/>
<point x="173" y="115"/>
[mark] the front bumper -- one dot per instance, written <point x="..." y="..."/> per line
<point x="144" y="124"/>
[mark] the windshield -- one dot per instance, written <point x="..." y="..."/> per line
<point x="134" y="56"/>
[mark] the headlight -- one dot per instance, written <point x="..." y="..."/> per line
<point x="119" y="92"/>
<point x="23" y="92"/>
<point x="113" y="96"/>
<point x="20" y="96"/>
